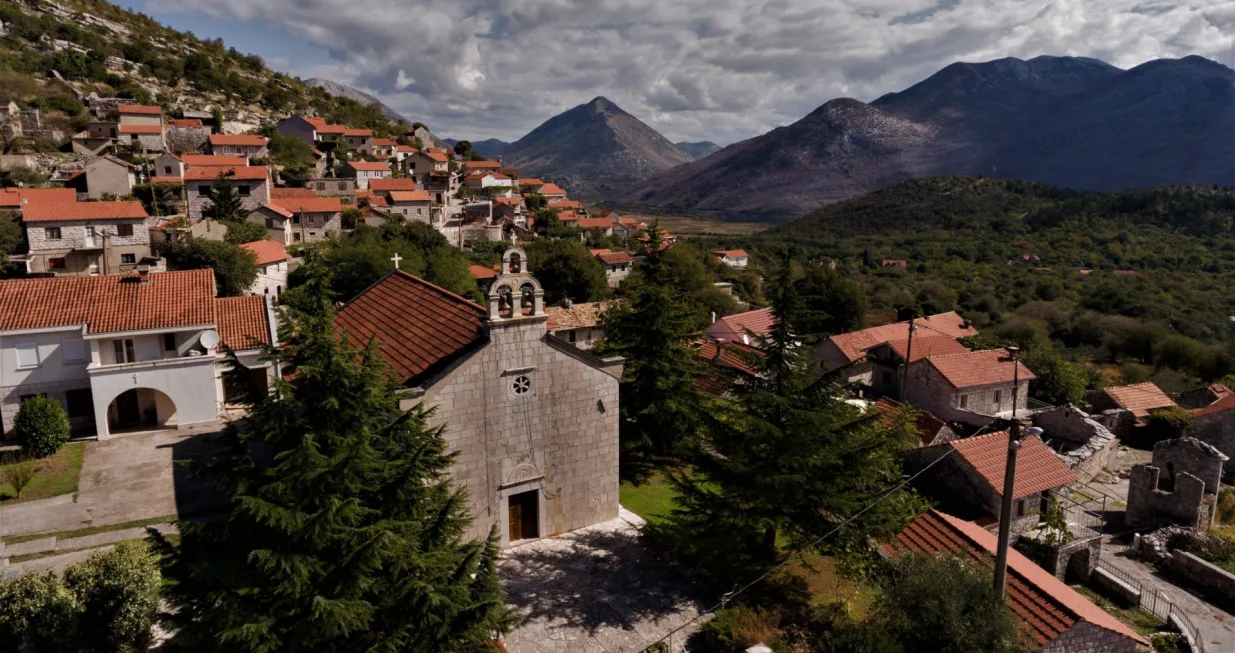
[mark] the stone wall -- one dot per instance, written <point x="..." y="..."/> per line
<point x="1111" y="585"/>
<point x="1187" y="503"/>
<point x="186" y="139"/>
<point x="1217" y="430"/>
<point x="1211" y="579"/>
<point x="1085" y="637"/>
<point x="1084" y="445"/>
<point x="259" y="195"/>
<point x="1116" y="420"/>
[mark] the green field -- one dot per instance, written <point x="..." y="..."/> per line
<point x="58" y="474"/>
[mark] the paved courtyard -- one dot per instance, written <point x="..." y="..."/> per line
<point x="597" y="590"/>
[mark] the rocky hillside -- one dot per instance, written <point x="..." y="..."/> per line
<point x="343" y="90"/>
<point x="1071" y="122"/>
<point x="699" y="149"/>
<point x="594" y="150"/>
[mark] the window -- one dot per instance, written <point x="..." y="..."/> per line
<point x="27" y="354"/>
<point x="964" y="401"/>
<point x="343" y="185"/>
<point x="124" y="350"/>
<point x="167" y="170"/>
<point x="570" y="336"/>
<point x="296" y="237"/>
<point x="124" y="230"/>
<point x="243" y="190"/>
<point x="128" y="259"/>
<point x="204" y="191"/>
<point x="270" y="223"/>
<point x="80" y="403"/>
<point x="887" y="378"/>
<point x="312" y="234"/>
<point x="521" y="386"/>
<point x="998" y="396"/>
<point x="1020" y="508"/>
<point x="56" y="264"/>
<point x="73" y="351"/>
<point x="51" y="233"/>
<point x="296" y="218"/>
<point x="169" y="342"/>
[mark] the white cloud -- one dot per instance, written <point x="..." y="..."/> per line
<point x="720" y="70"/>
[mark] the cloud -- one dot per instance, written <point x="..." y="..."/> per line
<point x="720" y="70"/>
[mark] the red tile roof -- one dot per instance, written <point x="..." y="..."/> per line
<point x="275" y="208"/>
<point x="1045" y="606"/>
<point x="406" y="148"/>
<point x="531" y="181"/>
<point x="392" y="183"/>
<point x="324" y="127"/>
<point x="758" y="322"/>
<point x="109" y="303"/>
<point x="437" y="156"/>
<point x="578" y="316"/>
<point x="614" y="258"/>
<point x="1037" y="467"/>
<point x="382" y="142"/>
<point x="595" y="223"/>
<point x="855" y="343"/>
<point x="410" y="196"/>
<point x="183" y="122"/>
<point x="282" y="193"/>
<point x="565" y="204"/>
<point x="1225" y="403"/>
<point x="552" y="189"/>
<point x="977" y="368"/>
<point x="216" y="160"/>
<point x="61" y="211"/>
<point x="308" y="204"/>
<point x="421" y="327"/>
<point x="928" y="425"/>
<point x="268" y="251"/>
<point x="369" y="166"/>
<point x="252" y="140"/>
<point x="166" y="180"/>
<point x="480" y="272"/>
<point x="242" y="321"/>
<point x="140" y="129"/>
<point x="358" y="132"/>
<point x="138" y="110"/>
<point x="732" y="354"/>
<point x="926" y="345"/>
<point x="13" y="197"/>
<point x="482" y="165"/>
<point x="210" y="173"/>
<point x="730" y="253"/>
<point x="1139" y="398"/>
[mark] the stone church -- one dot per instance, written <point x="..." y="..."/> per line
<point x="534" y="419"/>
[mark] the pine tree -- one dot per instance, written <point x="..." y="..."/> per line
<point x="787" y="459"/>
<point x="224" y="201"/>
<point x="653" y="331"/>
<point x="343" y="531"/>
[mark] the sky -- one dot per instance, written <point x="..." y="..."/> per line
<point x="718" y="70"/>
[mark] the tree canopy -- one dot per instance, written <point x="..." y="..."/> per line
<point x="235" y="268"/>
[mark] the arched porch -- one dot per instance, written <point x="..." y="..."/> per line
<point x="141" y="409"/>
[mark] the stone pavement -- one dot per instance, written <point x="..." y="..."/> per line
<point x="597" y="590"/>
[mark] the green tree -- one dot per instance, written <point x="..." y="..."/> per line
<point x="41" y="426"/>
<point x="344" y="531"/>
<point x="245" y="231"/>
<point x="567" y="270"/>
<point x="225" y="205"/>
<point x="352" y="217"/>
<point x="39" y="611"/>
<point x="1059" y="381"/>
<point x="117" y="593"/>
<point x="463" y="149"/>
<point x="831" y="303"/>
<point x="10" y="236"/>
<point x="535" y="202"/>
<point x="235" y="268"/>
<point x="290" y="151"/>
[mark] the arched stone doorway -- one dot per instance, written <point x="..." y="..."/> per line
<point x="141" y="409"/>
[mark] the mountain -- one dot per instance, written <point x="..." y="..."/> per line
<point x="343" y="90"/>
<point x="699" y="149"/>
<point x="593" y="150"/>
<point x="1068" y="121"/>
<point x="490" y="147"/>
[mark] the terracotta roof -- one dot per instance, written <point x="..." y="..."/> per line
<point x="392" y="183"/>
<point x="216" y="160"/>
<point x="481" y="272"/>
<point x="758" y="322"/>
<point x="410" y="196"/>
<point x="567" y="216"/>
<point x="242" y="173"/>
<point x="977" y="368"/>
<point x="421" y="327"/>
<point x="60" y="211"/>
<point x="509" y="201"/>
<point x="1045" y="606"/>
<point x="406" y="148"/>
<point x="166" y="180"/>
<point x="378" y="200"/>
<point x="629" y="222"/>
<point x="382" y="142"/>
<point x="243" y="320"/>
<point x="308" y="204"/>
<point x="732" y="354"/>
<point x="1139" y="398"/>
<point x="531" y="181"/>
<point x="138" y="110"/>
<point x="854" y="344"/>
<point x="565" y="204"/>
<point x="614" y="258"/>
<point x="358" y="132"/>
<point x="13" y="197"/>
<point x="927" y="345"/>
<point x="595" y="223"/>
<point x="721" y="373"/>
<point x="483" y="165"/>
<point x="183" y="122"/>
<point x="253" y="140"/>
<point x="552" y="189"/>
<point x="437" y="156"/>
<point x="369" y="166"/>
<point x="140" y="129"/>
<point x="1225" y="403"/>
<point x="730" y="253"/>
<point x="282" y="193"/>
<point x="317" y="123"/>
<point x="1037" y="467"/>
<point x="578" y="316"/>
<point x="327" y="128"/>
<point x="268" y="251"/>
<point x="928" y="425"/>
<point x="109" y="303"/>
<point x="275" y="208"/>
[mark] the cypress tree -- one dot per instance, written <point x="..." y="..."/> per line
<point x="342" y="531"/>
<point x="225" y="203"/>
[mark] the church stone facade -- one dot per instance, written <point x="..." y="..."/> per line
<point x="535" y="420"/>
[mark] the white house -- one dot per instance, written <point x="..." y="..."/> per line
<point x="363" y="171"/>
<point x="134" y="352"/>
<point x="488" y="180"/>
<point x="734" y="258"/>
<point x="273" y="266"/>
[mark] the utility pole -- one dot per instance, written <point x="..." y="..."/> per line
<point x="1016" y="379"/>
<point x="908" y="358"/>
<point x="1005" y="511"/>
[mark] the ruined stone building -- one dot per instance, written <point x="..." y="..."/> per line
<point x="1179" y="486"/>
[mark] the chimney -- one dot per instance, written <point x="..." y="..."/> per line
<point x="713" y="317"/>
<point x="143" y="275"/>
<point x="570" y="305"/>
<point x="720" y="343"/>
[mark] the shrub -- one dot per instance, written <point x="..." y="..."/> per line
<point x="118" y="591"/>
<point x="38" y="611"/>
<point x="1226" y="506"/>
<point x="737" y="629"/>
<point x="20" y="474"/>
<point x="240" y="232"/>
<point x="1167" y="423"/>
<point x="41" y="426"/>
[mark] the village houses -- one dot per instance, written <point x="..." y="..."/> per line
<point x="578" y="324"/>
<point x="363" y="171"/>
<point x="617" y="265"/>
<point x="413" y="205"/>
<point x="249" y="182"/>
<point x="85" y="238"/>
<point x="105" y="176"/>
<point x="734" y="258"/>
<point x="300" y="219"/>
<point x="273" y="266"/>
<point x="246" y="145"/>
<point x="971" y="387"/>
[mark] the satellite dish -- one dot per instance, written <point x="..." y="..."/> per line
<point x="209" y="339"/>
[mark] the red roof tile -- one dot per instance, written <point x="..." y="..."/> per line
<point x="410" y="196"/>
<point x="552" y="189"/>
<point x="482" y="165"/>
<point x="1046" y="607"/>
<point x="1139" y="398"/>
<point x="565" y="204"/>
<point x="531" y="181"/>
<point x="732" y="354"/>
<point x="730" y="253"/>
<point x="216" y="160"/>
<point x="268" y="251"/>
<point x="1037" y="467"/>
<point x="109" y="303"/>
<point x="382" y="142"/>
<point x="210" y="173"/>
<point x="243" y="320"/>
<point x="437" y="156"/>
<point x="252" y="140"/>
<point x="358" y="132"/>
<point x="278" y="210"/>
<point x="60" y="211"/>
<point x="138" y="110"/>
<point x="977" y="368"/>
<point x="421" y="327"/>
<point x="855" y="343"/>
<point x="578" y="316"/>
<point x="927" y="345"/>
<point x="614" y="258"/>
<point x="183" y="122"/>
<point x="758" y="322"/>
<point x="480" y="272"/>
<point x="283" y="193"/>
<point x="14" y="197"/>
<point x="166" y="180"/>
<point x="140" y="129"/>
<point x="928" y="425"/>
<point x="308" y="204"/>
<point x="369" y="166"/>
<point x="1225" y="403"/>
<point x="392" y="183"/>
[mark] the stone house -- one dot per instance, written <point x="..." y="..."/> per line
<point x="973" y="387"/>
<point x="745" y="328"/>
<point x="250" y="182"/>
<point x="273" y="266"/>
<point x="413" y="205"/>
<point x="137" y="114"/>
<point x="384" y="186"/>
<point x="357" y="140"/>
<point x="363" y="171"/>
<point x="1084" y="444"/>
<point x="969" y="477"/>
<point x="382" y="148"/>
<point x="148" y="137"/>
<point x="1056" y="617"/>
<point x="578" y="324"/>
<point x="108" y="175"/>
<point x="1215" y="424"/>
<point x="601" y="225"/>
<point x="185" y="134"/>
<point x="1139" y="398"/>
<point x="169" y="165"/>
<point x="127" y="352"/>
<point x="300" y="219"/>
<point x="533" y="418"/>
<point x="340" y="187"/>
<point x="1179" y="486"/>
<point x="86" y="238"/>
<point x="103" y="129"/>
<point x="886" y="360"/>
<point x="849" y="350"/>
<point x="617" y="266"/>
<point x="423" y="165"/>
<point x="311" y="130"/>
<point x="734" y="258"/>
<point x="246" y="145"/>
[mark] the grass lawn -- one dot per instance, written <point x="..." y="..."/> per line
<point x="58" y="474"/>
<point x="1143" y="623"/>
<point x="92" y="530"/>
<point x="651" y="500"/>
